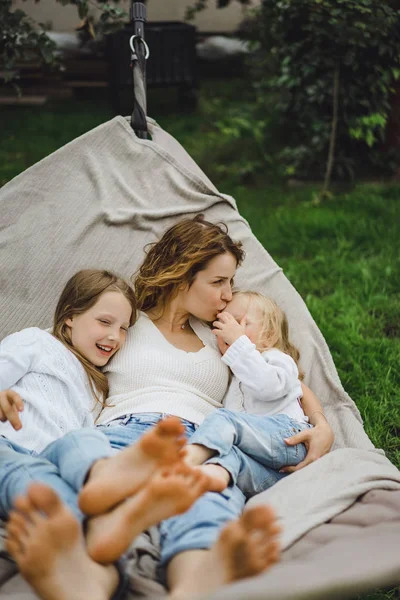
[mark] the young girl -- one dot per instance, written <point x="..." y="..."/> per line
<point x="52" y="386"/>
<point x="263" y="403"/>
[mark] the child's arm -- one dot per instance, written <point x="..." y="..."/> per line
<point x="319" y="439"/>
<point x="269" y="376"/>
<point x="17" y="352"/>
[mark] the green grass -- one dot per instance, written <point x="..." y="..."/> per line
<point x="342" y="255"/>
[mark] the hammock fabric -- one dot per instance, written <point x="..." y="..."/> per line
<point x="96" y="203"/>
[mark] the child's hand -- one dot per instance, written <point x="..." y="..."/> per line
<point x="228" y="329"/>
<point x="11" y="404"/>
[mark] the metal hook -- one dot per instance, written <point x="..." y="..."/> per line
<point x="147" y="51"/>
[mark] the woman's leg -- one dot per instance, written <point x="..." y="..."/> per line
<point x="201" y="552"/>
<point x="46" y="541"/>
<point x="170" y="491"/>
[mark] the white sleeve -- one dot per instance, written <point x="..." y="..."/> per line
<point x="269" y="376"/>
<point x="17" y="354"/>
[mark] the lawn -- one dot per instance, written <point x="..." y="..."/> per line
<point x="342" y="255"/>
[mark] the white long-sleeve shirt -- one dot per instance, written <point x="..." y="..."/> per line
<point x="52" y="384"/>
<point x="264" y="383"/>
<point x="149" y="374"/>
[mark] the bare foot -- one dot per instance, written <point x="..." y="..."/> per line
<point x="171" y="491"/>
<point x="250" y="545"/>
<point x="46" y="541"/>
<point x="113" y="479"/>
<point x="245" y="547"/>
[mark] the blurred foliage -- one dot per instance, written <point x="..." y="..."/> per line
<point x="24" y="40"/>
<point x="298" y="47"/>
<point x="199" y="5"/>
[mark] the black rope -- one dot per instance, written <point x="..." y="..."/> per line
<point x="138" y="64"/>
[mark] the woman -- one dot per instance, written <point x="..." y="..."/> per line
<point x="170" y="364"/>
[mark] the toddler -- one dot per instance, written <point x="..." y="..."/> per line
<point x="263" y="405"/>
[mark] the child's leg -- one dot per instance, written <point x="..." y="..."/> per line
<point x="250" y="447"/>
<point x="260" y="437"/>
<point x="75" y="453"/>
<point x="215" y="436"/>
<point x="19" y="468"/>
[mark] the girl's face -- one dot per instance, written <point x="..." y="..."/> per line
<point x="239" y="307"/>
<point x="211" y="289"/>
<point x="100" y="331"/>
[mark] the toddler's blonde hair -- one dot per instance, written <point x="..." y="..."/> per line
<point x="274" y="326"/>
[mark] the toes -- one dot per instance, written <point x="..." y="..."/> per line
<point x="16" y="532"/>
<point x="23" y="504"/>
<point x="44" y="498"/>
<point x="231" y="533"/>
<point x="13" y="548"/>
<point x="171" y="426"/>
<point x="259" y="517"/>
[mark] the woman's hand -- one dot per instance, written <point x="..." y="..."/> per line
<point x="228" y="329"/>
<point x="317" y="440"/>
<point x="11" y="404"/>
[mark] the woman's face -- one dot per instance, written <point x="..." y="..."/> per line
<point x="211" y="289"/>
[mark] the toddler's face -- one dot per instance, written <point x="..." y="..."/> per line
<point x="238" y="307"/>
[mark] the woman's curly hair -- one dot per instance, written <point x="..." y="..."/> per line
<point x="173" y="262"/>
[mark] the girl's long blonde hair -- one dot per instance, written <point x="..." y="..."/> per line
<point x="82" y="292"/>
<point x="174" y="261"/>
<point x="274" y="326"/>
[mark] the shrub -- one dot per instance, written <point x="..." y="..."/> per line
<point x="330" y="66"/>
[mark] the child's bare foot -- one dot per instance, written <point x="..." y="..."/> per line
<point x="113" y="479"/>
<point x="46" y="541"/>
<point x="171" y="491"/>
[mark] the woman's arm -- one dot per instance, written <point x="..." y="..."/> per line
<point x="317" y="440"/>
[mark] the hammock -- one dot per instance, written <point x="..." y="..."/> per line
<point x="97" y="202"/>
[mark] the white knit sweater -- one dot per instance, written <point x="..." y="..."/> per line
<point x="151" y="375"/>
<point x="52" y="383"/>
<point x="264" y="383"/>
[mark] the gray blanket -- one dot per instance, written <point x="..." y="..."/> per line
<point x="96" y="203"/>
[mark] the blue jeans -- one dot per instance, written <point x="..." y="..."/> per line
<point x="251" y="447"/>
<point x="63" y="465"/>
<point x="199" y="527"/>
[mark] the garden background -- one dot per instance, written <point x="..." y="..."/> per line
<point x="258" y="138"/>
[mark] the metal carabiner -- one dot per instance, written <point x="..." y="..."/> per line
<point x="147" y="51"/>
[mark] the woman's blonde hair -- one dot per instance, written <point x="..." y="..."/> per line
<point x="274" y="326"/>
<point x="82" y="292"/>
<point x="174" y="261"/>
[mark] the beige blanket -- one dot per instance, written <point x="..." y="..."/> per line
<point x="96" y="203"/>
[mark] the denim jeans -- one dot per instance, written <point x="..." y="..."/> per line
<point x="63" y="465"/>
<point x="199" y="527"/>
<point x="251" y="447"/>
